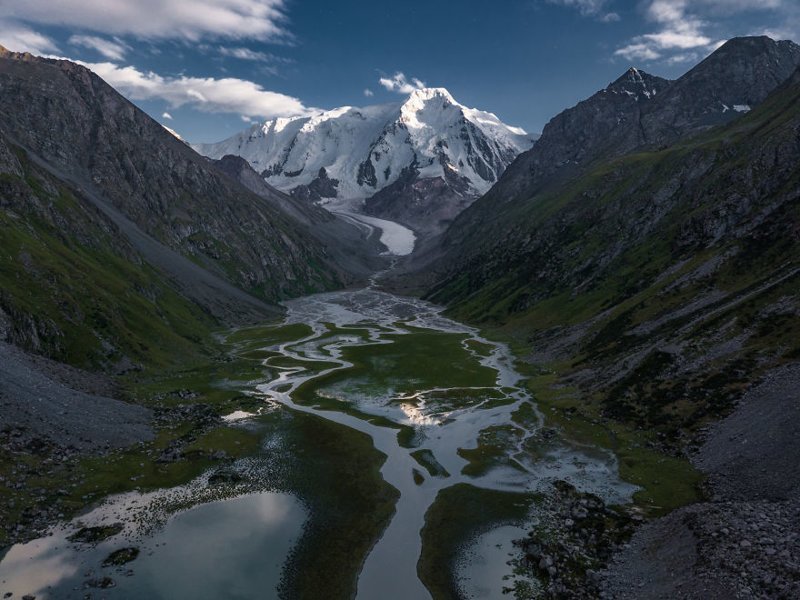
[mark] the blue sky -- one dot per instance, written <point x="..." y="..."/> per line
<point x="206" y="68"/>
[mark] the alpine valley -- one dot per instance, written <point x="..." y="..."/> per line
<point x="404" y="351"/>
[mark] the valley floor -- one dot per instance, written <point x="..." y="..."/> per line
<point x="425" y="420"/>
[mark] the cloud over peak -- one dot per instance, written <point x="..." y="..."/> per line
<point x="400" y="84"/>
<point x="19" y="38"/>
<point x="113" y="50"/>
<point x="683" y="29"/>
<point x="206" y="94"/>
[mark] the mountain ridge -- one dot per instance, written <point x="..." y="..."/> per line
<point x="616" y="121"/>
<point x="181" y="200"/>
<point x="704" y="96"/>
<point x="351" y="153"/>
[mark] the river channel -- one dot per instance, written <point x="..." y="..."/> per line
<point x="441" y="401"/>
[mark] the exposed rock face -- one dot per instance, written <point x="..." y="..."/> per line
<point x="426" y="205"/>
<point x="320" y="188"/>
<point x="240" y="170"/>
<point x="608" y="123"/>
<point x="344" y="242"/>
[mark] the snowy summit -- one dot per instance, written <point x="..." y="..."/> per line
<point x="351" y="152"/>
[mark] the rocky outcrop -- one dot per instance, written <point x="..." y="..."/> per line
<point x="426" y="205"/>
<point x="321" y="187"/>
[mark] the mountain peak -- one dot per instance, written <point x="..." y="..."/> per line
<point x="420" y="97"/>
<point x="761" y="52"/>
<point x="637" y="83"/>
<point x="754" y="42"/>
<point x="364" y="150"/>
<point x="636" y="76"/>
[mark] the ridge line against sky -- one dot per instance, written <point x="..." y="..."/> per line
<point x="248" y="60"/>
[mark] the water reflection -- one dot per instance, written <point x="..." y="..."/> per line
<point x="227" y="549"/>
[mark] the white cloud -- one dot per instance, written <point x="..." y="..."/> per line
<point x="369" y="93"/>
<point x="246" y="54"/>
<point x="682" y="28"/>
<point x="166" y="115"/>
<point x="590" y="8"/>
<point x="157" y="19"/>
<point x="202" y="93"/>
<point x="269" y="62"/>
<point x="399" y="83"/>
<point x="586" y="7"/>
<point x="727" y="6"/>
<point x="21" y="39"/>
<point x="685" y="57"/>
<point x="637" y="51"/>
<point x="611" y="17"/>
<point x="114" y="50"/>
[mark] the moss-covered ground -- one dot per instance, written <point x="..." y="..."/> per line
<point x="457" y="516"/>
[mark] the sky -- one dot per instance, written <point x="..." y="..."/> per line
<point x="209" y="68"/>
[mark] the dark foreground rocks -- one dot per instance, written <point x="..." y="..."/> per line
<point x="573" y="537"/>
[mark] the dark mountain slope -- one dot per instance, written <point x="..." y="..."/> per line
<point x="650" y="298"/>
<point x="87" y="133"/>
<point x="342" y="240"/>
<point x="654" y="250"/>
<point x="120" y="245"/>
<point x="636" y="111"/>
<point x="72" y="287"/>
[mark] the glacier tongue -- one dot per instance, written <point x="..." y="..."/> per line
<point x="363" y="150"/>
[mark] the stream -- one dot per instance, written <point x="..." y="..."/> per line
<point x="390" y="571"/>
<point x="465" y="386"/>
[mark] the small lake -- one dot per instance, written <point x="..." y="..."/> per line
<point x="227" y="549"/>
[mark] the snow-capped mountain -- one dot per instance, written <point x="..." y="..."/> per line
<point x="429" y="140"/>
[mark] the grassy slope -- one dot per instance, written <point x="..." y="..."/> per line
<point x="78" y="293"/>
<point x="581" y="268"/>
